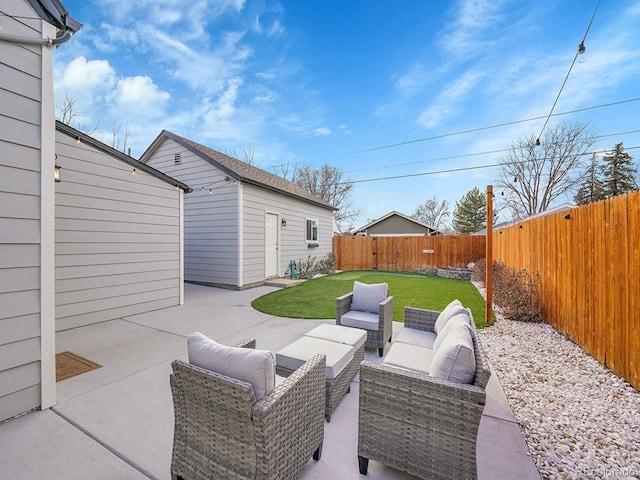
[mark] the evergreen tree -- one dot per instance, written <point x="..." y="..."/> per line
<point x="619" y="172"/>
<point x="592" y="188"/>
<point x="470" y="213"/>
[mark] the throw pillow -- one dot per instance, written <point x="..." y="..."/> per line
<point x="454" y="308"/>
<point x="460" y="318"/>
<point x="454" y="359"/>
<point x="256" y="367"/>
<point x="367" y="298"/>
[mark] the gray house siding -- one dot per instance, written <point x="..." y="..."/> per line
<point x="395" y="225"/>
<point x="117" y="238"/>
<point x="211" y="219"/>
<point x="292" y="244"/>
<point x="21" y="90"/>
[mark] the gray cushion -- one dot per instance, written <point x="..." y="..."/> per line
<point x="295" y="354"/>
<point x="454" y="359"/>
<point x="367" y="298"/>
<point x="354" y="337"/>
<point x="414" y="336"/>
<point x="357" y="319"/>
<point x="256" y="367"/>
<point x="459" y="319"/>
<point x="452" y="309"/>
<point x="409" y="356"/>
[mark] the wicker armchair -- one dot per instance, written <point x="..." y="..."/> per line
<point x="420" y="424"/>
<point x="222" y="432"/>
<point x="375" y="338"/>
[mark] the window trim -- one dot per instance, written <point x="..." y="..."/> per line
<point x="307" y="230"/>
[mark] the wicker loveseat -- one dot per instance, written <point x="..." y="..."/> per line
<point x="221" y="431"/>
<point x="415" y="422"/>
<point x="369" y="307"/>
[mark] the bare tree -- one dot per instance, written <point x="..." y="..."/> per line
<point x="119" y="141"/>
<point x="248" y="155"/>
<point x="287" y="169"/>
<point x="533" y="176"/>
<point x="433" y="213"/>
<point x="68" y="114"/>
<point x="328" y="184"/>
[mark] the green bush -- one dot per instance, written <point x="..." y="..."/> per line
<point x="515" y="291"/>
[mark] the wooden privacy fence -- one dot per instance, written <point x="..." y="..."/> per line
<point x="407" y="253"/>
<point x="588" y="259"/>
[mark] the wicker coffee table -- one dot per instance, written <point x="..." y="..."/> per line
<point x="344" y="350"/>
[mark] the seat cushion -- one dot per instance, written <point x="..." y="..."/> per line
<point x="295" y="354"/>
<point x="367" y="298"/>
<point x="454" y="308"/>
<point x="454" y="358"/>
<point x="256" y="367"/>
<point x="358" y="319"/>
<point x="414" y="336"/>
<point x="354" y="337"/>
<point x="409" y="356"/>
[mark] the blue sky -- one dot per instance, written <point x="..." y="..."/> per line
<point x="329" y="81"/>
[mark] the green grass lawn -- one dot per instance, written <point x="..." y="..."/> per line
<point x="316" y="298"/>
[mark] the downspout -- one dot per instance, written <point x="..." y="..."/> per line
<point x="47" y="42"/>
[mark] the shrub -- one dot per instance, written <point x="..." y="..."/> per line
<point x="328" y="263"/>
<point x="307" y="267"/>
<point x="515" y="291"/>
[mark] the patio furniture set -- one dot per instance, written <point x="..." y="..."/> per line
<point x="244" y="413"/>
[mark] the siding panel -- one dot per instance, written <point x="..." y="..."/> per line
<point x="117" y="238"/>
<point x="20" y="158"/>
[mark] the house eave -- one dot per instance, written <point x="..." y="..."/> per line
<point x="98" y="145"/>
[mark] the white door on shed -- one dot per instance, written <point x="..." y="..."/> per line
<point x="271" y="245"/>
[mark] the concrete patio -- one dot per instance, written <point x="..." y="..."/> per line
<point x="117" y="421"/>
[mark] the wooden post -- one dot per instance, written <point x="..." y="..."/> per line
<point x="489" y="256"/>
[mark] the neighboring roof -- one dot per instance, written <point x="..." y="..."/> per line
<point x="53" y="12"/>
<point x="557" y="209"/>
<point x="84" y="138"/>
<point x="238" y="170"/>
<point x="392" y="213"/>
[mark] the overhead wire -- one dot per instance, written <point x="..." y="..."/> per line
<point x="580" y="51"/>
<point x="461" y="169"/>
<point x="489" y="152"/>
<point x="498" y="125"/>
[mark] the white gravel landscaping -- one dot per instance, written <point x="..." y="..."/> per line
<point x="580" y="420"/>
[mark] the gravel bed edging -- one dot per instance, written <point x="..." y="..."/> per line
<point x="580" y="420"/>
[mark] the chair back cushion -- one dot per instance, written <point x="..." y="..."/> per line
<point x="459" y="319"/>
<point x="454" y="308"/>
<point x="367" y="298"/>
<point x="454" y="359"/>
<point x="256" y="367"/>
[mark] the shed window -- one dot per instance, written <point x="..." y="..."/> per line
<point x="312" y="230"/>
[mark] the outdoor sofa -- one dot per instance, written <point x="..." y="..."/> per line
<point x="240" y="424"/>
<point x="418" y="422"/>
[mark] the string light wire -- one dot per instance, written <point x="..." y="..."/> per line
<point x="580" y="51"/>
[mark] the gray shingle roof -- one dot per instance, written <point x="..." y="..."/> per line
<point x="240" y="171"/>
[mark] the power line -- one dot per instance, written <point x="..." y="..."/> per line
<point x="452" y="157"/>
<point x="461" y="169"/>
<point x="581" y="50"/>
<point x="498" y="125"/>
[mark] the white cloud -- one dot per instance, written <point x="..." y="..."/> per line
<point x="446" y="104"/>
<point x="140" y="91"/>
<point x="81" y="74"/>
<point x="466" y="34"/>
<point x="412" y="81"/>
<point x="322" y="131"/>
<point x="345" y="130"/>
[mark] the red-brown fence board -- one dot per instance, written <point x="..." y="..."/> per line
<point x="589" y="265"/>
